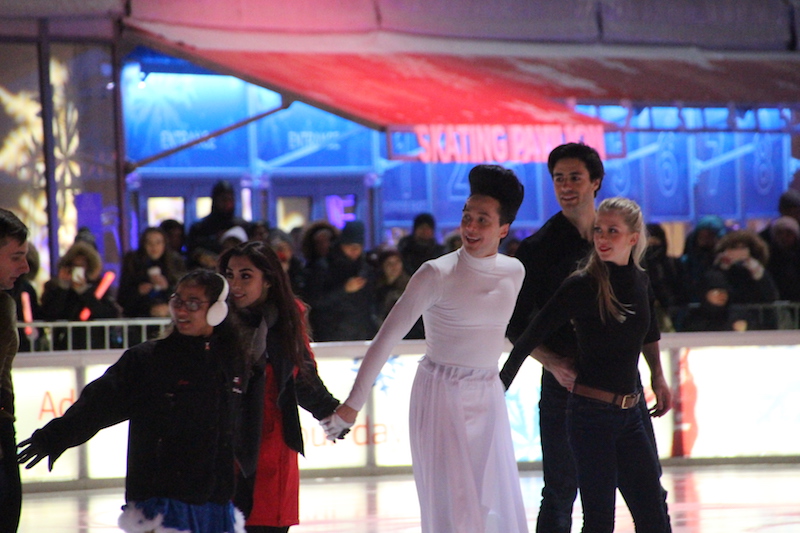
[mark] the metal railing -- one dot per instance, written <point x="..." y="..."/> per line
<point x="767" y="316"/>
<point x="64" y="336"/>
<point x="120" y="334"/>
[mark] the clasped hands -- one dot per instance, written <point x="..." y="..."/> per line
<point x="338" y="424"/>
<point x="562" y="368"/>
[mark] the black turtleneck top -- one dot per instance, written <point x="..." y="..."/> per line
<point x="608" y="352"/>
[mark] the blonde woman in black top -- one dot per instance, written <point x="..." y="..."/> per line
<point x="610" y="303"/>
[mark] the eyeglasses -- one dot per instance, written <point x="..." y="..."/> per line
<point x="176" y="302"/>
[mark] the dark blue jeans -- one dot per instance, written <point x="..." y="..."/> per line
<point x="558" y="465"/>
<point x="612" y="450"/>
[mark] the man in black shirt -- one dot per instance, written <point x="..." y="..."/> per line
<point x="550" y="255"/>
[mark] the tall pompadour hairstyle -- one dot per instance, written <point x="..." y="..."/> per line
<point x="501" y="184"/>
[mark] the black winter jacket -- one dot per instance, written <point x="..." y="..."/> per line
<point x="182" y="397"/>
<point x="338" y="315"/>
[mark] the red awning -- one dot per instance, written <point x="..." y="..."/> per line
<point x="466" y="107"/>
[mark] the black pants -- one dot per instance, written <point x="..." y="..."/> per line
<point x="558" y="464"/>
<point x="10" y="485"/>
<point x="613" y="451"/>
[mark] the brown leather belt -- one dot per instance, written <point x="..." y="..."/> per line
<point x="623" y="401"/>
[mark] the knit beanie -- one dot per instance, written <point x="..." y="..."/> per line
<point x="352" y="233"/>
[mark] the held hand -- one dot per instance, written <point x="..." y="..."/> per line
<point x="80" y="286"/>
<point x="145" y="287"/>
<point x="335" y="427"/>
<point x="755" y="268"/>
<point x="564" y="374"/>
<point x="32" y="454"/>
<point x="347" y="413"/>
<point x="160" y="282"/>
<point x="663" y="397"/>
<point x="563" y="369"/>
<point x="354" y="284"/>
<point x="739" y="325"/>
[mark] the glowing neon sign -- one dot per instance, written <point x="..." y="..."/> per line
<point x="480" y="143"/>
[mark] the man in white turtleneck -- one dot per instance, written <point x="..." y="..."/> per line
<point x="461" y="449"/>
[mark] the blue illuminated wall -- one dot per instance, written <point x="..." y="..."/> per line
<point x="677" y="176"/>
<point x="163" y="110"/>
<point x="684" y="176"/>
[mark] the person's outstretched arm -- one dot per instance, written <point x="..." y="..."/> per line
<point x="421" y="292"/>
<point x="102" y="403"/>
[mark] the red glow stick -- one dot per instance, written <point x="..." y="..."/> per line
<point x="102" y="287"/>
<point x="27" y="313"/>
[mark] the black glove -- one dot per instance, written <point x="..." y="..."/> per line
<point x="33" y="452"/>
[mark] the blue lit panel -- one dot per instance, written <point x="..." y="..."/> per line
<point x="745" y="118"/>
<point x="666" y="118"/>
<point x="763" y="173"/>
<point x="613" y="113"/>
<point x="304" y="136"/>
<point x="717" y="187"/>
<point x="716" y="117"/>
<point x="658" y="161"/>
<point x="165" y="110"/>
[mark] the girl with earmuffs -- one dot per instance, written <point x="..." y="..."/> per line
<point x="182" y="395"/>
<point x="284" y="375"/>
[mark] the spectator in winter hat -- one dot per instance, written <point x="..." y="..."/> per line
<point x="421" y="245"/>
<point x="340" y="290"/>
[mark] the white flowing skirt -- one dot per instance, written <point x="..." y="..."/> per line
<point x="463" y="458"/>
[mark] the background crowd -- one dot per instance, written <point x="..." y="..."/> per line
<point x="727" y="278"/>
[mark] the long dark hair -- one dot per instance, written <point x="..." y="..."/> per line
<point x="291" y="329"/>
<point x="169" y="268"/>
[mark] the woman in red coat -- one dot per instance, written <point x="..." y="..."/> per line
<point x="284" y="376"/>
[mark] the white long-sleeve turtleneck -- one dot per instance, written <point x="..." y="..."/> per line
<point x="465" y="302"/>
